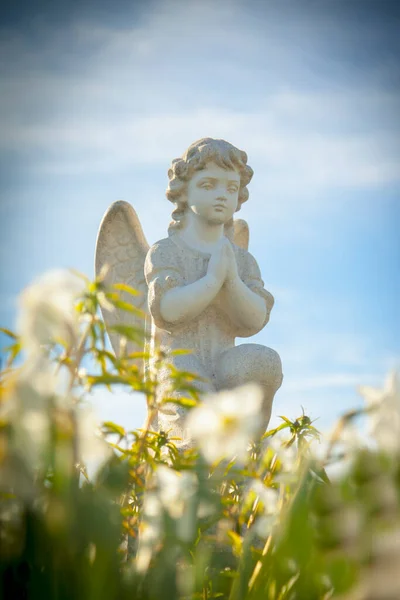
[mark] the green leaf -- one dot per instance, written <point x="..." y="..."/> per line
<point x="183" y="375"/>
<point x="135" y="355"/>
<point x="9" y="333"/>
<point x="236" y="542"/>
<point x="126" y="306"/>
<point x="290" y="442"/>
<point x="185" y="402"/>
<point x="110" y="427"/>
<point x="274" y="431"/>
<point x="180" y="351"/>
<point x="106" y="354"/>
<point x="130" y="332"/>
<point x="105" y="379"/>
<point x="286" y="420"/>
<point x="123" y="287"/>
<point x="80" y="275"/>
<point x="13" y="350"/>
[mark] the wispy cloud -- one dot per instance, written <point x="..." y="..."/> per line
<point x="329" y="381"/>
<point x="137" y="98"/>
<point x="87" y="145"/>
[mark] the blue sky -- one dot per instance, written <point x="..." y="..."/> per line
<point x="98" y="98"/>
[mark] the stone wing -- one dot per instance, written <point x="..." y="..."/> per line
<point x="241" y="233"/>
<point x="122" y="246"/>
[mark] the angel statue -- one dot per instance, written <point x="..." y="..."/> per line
<point x="201" y="288"/>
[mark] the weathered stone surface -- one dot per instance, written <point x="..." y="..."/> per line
<point x="203" y="287"/>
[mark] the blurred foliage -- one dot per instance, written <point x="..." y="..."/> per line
<point x="155" y="522"/>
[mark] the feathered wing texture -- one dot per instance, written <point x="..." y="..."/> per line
<point x="122" y="246"/>
<point x="241" y="233"/>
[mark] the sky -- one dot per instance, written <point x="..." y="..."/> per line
<point x="96" y="100"/>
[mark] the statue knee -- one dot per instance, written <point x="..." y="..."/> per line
<point x="270" y="368"/>
<point x="249" y="362"/>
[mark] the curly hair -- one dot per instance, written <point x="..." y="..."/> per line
<point x="195" y="158"/>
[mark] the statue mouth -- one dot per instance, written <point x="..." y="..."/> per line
<point x="219" y="206"/>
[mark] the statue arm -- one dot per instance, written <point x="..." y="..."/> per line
<point x="246" y="301"/>
<point x="171" y="301"/>
<point x="245" y="307"/>
<point x="182" y="304"/>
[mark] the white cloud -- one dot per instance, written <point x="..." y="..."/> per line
<point x="314" y="161"/>
<point x="328" y="381"/>
<point x="140" y="93"/>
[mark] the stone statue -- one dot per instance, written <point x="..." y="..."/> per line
<point x="201" y="288"/>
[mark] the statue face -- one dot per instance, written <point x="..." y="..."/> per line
<point x="213" y="194"/>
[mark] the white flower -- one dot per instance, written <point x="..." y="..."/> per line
<point x="269" y="498"/>
<point x="151" y="530"/>
<point x="287" y="455"/>
<point x="92" y="447"/>
<point x="177" y="494"/>
<point x="266" y="495"/>
<point x="44" y="378"/>
<point x="175" y="489"/>
<point x="264" y="524"/>
<point x="384" y="413"/>
<point x="47" y="310"/>
<point x="36" y="424"/>
<point x="224" y="423"/>
<point x="174" y="493"/>
<point x="33" y="434"/>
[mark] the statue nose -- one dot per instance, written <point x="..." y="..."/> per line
<point x="221" y="197"/>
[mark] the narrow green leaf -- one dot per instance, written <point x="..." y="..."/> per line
<point x="126" y="306"/>
<point x="9" y="333"/>
<point x="80" y="275"/>
<point x="286" y="420"/>
<point x="236" y="542"/>
<point x="123" y="287"/>
<point x="180" y="351"/>
<point x="105" y="379"/>
<point x="13" y="350"/>
<point x="110" y="427"/>
<point x="108" y="355"/>
<point x="135" y="355"/>
<point x="131" y="333"/>
<point x="185" y="402"/>
<point x="272" y="432"/>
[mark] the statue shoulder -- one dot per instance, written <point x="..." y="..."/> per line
<point x="163" y="254"/>
<point x="164" y="247"/>
<point x="246" y="260"/>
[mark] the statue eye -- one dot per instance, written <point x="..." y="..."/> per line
<point x="232" y="189"/>
<point x="207" y="185"/>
